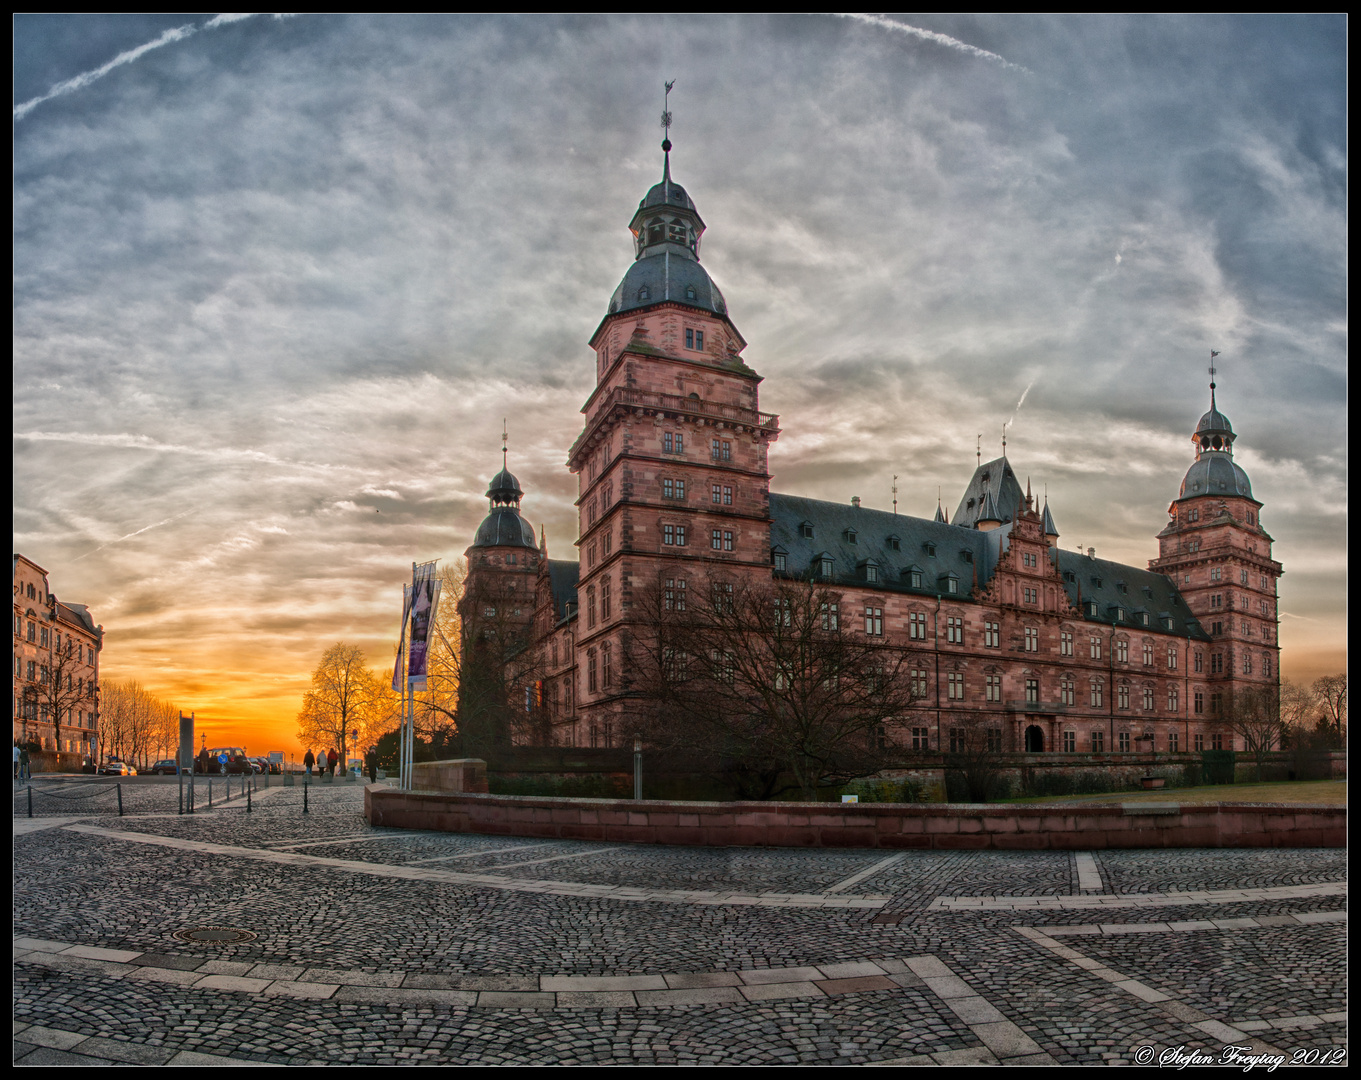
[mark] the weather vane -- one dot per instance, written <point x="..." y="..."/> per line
<point x="666" y="116"/>
<point x="505" y="436"/>
<point x="978" y="449"/>
<point x="895" y="493"/>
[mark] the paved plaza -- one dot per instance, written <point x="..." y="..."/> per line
<point x="361" y="945"/>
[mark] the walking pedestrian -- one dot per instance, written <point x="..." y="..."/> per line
<point x="17" y="763"/>
<point x="25" y="765"/>
<point x="371" y="760"/>
<point x="308" y="760"/>
<point x="331" y="758"/>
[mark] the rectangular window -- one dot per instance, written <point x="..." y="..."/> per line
<point x="32" y="631"/>
<point x="1070" y="742"/>
<point x="605" y="541"/>
<point x="992" y="635"/>
<point x="1065" y="643"/>
<point x="954" y="631"/>
<point x="994" y="740"/>
<point x="1122" y="651"/>
<point x="921" y="739"/>
<point x="1198" y="701"/>
<point x="1148" y="699"/>
<point x="716" y="539"/>
<point x="779" y="560"/>
<point x="1097" y="695"/>
<point x="994" y="687"/>
<point x="689" y="338"/>
<point x="680" y="536"/>
<point x="1096" y="648"/>
<point x="1199" y="662"/>
<point x="590" y="606"/>
<point x="1199" y="742"/>
<point x="955" y="684"/>
<point x="957" y="741"/>
<point x="1171" y="658"/>
<point x="606" y="674"/>
<point x="1032" y="596"/>
<point x="727" y="496"/>
<point x="716" y="492"/>
<point x="674" y="595"/>
<point x="727" y="540"/>
<point x="1032" y="691"/>
<point x="1173" y="701"/>
<point x="721" y="597"/>
<point x="1173" y="742"/>
<point x="1027" y="559"/>
<point x="1216" y="701"/>
<point x="1148" y="654"/>
<point x="919" y="684"/>
<point x="829" y="617"/>
<point x="673" y="489"/>
<point x="1122" y="696"/>
<point x="668" y="534"/>
<point x="1032" y="639"/>
<point x="590" y="671"/>
<point x="673" y="442"/>
<point x="916" y="626"/>
<point x="716" y="449"/>
<point x="1098" y="742"/>
<point x="783" y="613"/>
<point x="1123" y="736"/>
<point x="1215" y="574"/>
<point x="605" y="600"/>
<point x="590" y="553"/>
<point x="1216" y="742"/>
<point x="43" y="635"/>
<point x="874" y="621"/>
<point x="1066" y="692"/>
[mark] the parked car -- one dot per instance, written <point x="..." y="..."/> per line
<point x="237" y="762"/>
<point x="164" y="767"/>
<point x="117" y="768"/>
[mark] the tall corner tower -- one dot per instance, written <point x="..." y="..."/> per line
<point x="672" y="459"/>
<point x="1218" y="555"/>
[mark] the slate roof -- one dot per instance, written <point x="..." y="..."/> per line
<point x="674" y="275"/>
<point x="1001" y="484"/>
<point x="873" y="529"/>
<point x="563" y="575"/>
<point x="1215" y="474"/>
<point x="504" y="527"/>
<point x="79" y="613"/>
<point x="831" y="523"/>
<point x="1099" y="580"/>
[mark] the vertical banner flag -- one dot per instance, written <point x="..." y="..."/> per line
<point x="401" y="637"/>
<point x="424" y="599"/>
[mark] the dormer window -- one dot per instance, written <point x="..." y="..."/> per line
<point x="778" y="557"/>
<point x="822" y="566"/>
<point x="1090" y="607"/>
<point x="849" y="536"/>
<point x="966" y="555"/>
<point x="913" y="577"/>
<point x="872" y="572"/>
<point x="1143" y="618"/>
<point x="930" y="549"/>
<point x="970" y="504"/>
<point x="1122" y="587"/>
<point x="949" y="584"/>
<point x="1096" y="582"/>
<point x="894" y="544"/>
<point x="644" y="293"/>
<point x="1166" y="620"/>
<point x="806" y="530"/>
<point x="690" y="292"/>
<point x="1070" y="577"/>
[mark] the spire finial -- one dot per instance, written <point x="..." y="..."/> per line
<point x="1004" y="440"/>
<point x="666" y="129"/>
<point x="505" y="438"/>
<point x="979" y="450"/>
<point x="1213" y="354"/>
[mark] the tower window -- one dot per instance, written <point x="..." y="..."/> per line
<point x="644" y="293"/>
<point x="690" y="292"/>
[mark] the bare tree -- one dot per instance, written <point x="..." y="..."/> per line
<point x="975" y="752"/>
<point x="1299" y="707"/>
<point x="770" y="679"/>
<point x="1331" y="694"/>
<point x="342" y="699"/>
<point x="62" y="688"/>
<point x="1254" y="713"/>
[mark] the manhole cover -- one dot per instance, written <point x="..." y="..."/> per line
<point x="222" y="934"/>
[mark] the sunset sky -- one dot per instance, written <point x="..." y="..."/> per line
<point x="278" y="281"/>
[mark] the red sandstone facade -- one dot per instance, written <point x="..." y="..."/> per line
<point x="1059" y="650"/>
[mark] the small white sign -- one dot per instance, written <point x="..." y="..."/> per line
<point x="850" y="798"/>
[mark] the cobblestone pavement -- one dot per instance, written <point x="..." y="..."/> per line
<point x="389" y="947"/>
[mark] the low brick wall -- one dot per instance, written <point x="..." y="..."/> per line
<point x="863" y="825"/>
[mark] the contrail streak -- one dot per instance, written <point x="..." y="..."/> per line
<point x="130" y="535"/>
<point x="79" y="82"/>
<point x="931" y="35"/>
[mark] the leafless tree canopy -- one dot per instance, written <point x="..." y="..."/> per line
<point x="62" y="690"/>
<point x="974" y="749"/>
<point x="1331" y="693"/>
<point x="136" y="726"/>
<point x="346" y="696"/>
<point x="1316" y="715"/>
<point x="1254" y="714"/>
<point x="773" y="678"/>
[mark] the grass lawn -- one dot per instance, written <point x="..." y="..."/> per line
<point x="1307" y="792"/>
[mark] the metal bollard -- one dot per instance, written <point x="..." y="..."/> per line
<point x="304" y="798"/>
<point x="30" y="800"/>
<point x="248" y="800"/>
<point x="120" y="799"/>
<point x="210" y="791"/>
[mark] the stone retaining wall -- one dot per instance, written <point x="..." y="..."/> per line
<point x="864" y="825"/>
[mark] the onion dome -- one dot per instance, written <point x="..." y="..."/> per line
<point x="666" y="231"/>
<point x="504" y="526"/>
<point x="1214" y="472"/>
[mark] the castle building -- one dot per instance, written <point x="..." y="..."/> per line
<point x="56" y="667"/>
<point x="1060" y="650"/>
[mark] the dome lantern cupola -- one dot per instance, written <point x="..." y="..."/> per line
<point x="503" y="526"/>
<point x="1214" y="471"/>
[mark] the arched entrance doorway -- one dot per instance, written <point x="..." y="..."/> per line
<point x="1034" y="740"/>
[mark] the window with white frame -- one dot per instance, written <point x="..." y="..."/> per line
<point x="1098" y="693"/>
<point x="955" y="686"/>
<point x="1032" y="639"/>
<point x="993" y="685"/>
<point x="1065" y="643"/>
<point x="992" y="635"/>
<point x="954" y="630"/>
<point x="829" y="617"/>
<point x="1122" y="650"/>
<point x="1066" y="692"/>
<point x="916" y="626"/>
<point x="874" y="621"/>
<point x="1122" y="696"/>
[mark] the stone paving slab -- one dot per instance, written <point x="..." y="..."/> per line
<point x="778" y="991"/>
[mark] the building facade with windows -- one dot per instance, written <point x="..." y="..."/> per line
<point x="1059" y="650"/>
<point x="56" y="667"/>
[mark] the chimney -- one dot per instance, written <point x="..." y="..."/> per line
<point x="855" y="501"/>
<point x="1091" y="553"/>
